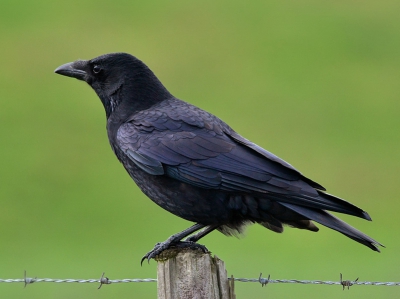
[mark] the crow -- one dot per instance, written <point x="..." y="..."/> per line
<point x="197" y="167"/>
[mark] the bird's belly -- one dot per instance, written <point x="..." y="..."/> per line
<point x="192" y="203"/>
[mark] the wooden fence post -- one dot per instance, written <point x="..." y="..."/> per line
<point x="188" y="274"/>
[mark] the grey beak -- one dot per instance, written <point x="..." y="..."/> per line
<point x="72" y="69"/>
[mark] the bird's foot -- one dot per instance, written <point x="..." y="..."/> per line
<point x="160" y="247"/>
<point x="191" y="245"/>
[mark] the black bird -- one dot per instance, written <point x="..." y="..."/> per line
<point x="197" y="167"/>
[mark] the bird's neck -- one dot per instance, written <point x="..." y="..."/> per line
<point x="133" y="95"/>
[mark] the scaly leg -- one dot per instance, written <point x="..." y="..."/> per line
<point x="201" y="233"/>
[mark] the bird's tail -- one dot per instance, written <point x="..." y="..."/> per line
<point x="332" y="222"/>
<point x="326" y="201"/>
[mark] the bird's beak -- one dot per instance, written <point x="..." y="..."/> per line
<point x="73" y="69"/>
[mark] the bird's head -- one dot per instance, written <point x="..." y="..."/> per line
<point x="120" y="80"/>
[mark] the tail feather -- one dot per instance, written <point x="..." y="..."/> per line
<point x="335" y="223"/>
<point x="344" y="206"/>
<point x="323" y="201"/>
<point x="329" y="202"/>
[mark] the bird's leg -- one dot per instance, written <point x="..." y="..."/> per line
<point x="175" y="240"/>
<point x="201" y="233"/>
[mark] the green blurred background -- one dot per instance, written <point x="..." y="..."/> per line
<point x="316" y="83"/>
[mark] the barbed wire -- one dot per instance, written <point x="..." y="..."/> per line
<point x="263" y="281"/>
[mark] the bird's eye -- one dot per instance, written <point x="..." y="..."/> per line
<point x="96" y="69"/>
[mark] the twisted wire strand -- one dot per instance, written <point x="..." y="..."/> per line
<point x="375" y="283"/>
<point x="71" y="280"/>
<point x="263" y="281"/>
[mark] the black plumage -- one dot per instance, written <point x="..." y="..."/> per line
<point x="195" y="166"/>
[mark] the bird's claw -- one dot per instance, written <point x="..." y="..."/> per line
<point x="160" y="247"/>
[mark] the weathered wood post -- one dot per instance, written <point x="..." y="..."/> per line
<point x="188" y="274"/>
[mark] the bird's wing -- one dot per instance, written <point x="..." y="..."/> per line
<point x="197" y="149"/>
<point x="203" y="151"/>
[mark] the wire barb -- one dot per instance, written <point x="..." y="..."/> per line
<point x="103" y="280"/>
<point x="263" y="281"/>
<point x="347" y="283"/>
<point x="28" y="280"/>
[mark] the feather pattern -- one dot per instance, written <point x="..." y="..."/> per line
<point x="195" y="150"/>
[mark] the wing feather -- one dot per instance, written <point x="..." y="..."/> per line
<point x="201" y="150"/>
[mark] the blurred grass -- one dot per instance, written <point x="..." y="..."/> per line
<point x="315" y="82"/>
